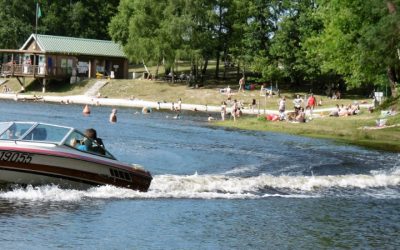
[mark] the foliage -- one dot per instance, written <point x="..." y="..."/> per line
<point x="87" y="19"/>
<point x="163" y="31"/>
<point x="300" y="42"/>
<point x="359" y="40"/>
<point x="17" y="23"/>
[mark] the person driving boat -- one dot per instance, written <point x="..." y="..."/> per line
<point x="88" y="142"/>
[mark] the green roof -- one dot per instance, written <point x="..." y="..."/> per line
<point x="77" y="46"/>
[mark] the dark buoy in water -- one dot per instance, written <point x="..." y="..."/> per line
<point x="113" y="116"/>
<point x="86" y="110"/>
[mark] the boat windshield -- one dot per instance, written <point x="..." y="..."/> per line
<point x="79" y="141"/>
<point x="41" y="132"/>
<point x="29" y="131"/>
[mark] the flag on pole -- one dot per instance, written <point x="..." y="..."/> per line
<point x="39" y="11"/>
<point x="38" y="15"/>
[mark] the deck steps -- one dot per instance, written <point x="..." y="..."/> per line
<point x="92" y="91"/>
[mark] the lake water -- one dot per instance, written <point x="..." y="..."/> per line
<point x="212" y="189"/>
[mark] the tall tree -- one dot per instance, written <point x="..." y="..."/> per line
<point x="87" y="19"/>
<point x="138" y="28"/>
<point x="161" y="31"/>
<point x="360" y="41"/>
<point x="296" y="24"/>
<point x="222" y="27"/>
<point x="255" y="25"/>
<point x="18" y="22"/>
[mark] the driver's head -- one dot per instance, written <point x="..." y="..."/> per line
<point x="91" y="133"/>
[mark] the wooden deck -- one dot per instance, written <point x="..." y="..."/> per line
<point x="35" y="71"/>
<point x="11" y="70"/>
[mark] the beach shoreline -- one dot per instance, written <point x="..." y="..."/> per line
<point x="138" y="103"/>
<point x="343" y="130"/>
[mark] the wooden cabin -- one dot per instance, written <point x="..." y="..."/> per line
<point x="46" y="57"/>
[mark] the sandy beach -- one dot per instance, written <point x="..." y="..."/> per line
<point x="138" y="103"/>
<point x="114" y="102"/>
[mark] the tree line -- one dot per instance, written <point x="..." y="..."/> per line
<point x="86" y="19"/>
<point x="301" y="42"/>
<point x="355" y="42"/>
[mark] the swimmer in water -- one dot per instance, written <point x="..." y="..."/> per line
<point x="113" y="116"/>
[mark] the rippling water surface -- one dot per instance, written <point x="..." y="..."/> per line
<point x="212" y="189"/>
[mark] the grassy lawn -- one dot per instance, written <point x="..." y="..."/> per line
<point x="166" y="91"/>
<point x="342" y="129"/>
<point x="208" y="94"/>
<point x="14" y="85"/>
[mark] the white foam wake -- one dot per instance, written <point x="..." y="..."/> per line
<point x="240" y="185"/>
<point x="222" y="187"/>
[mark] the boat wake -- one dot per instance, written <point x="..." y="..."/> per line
<point x="379" y="184"/>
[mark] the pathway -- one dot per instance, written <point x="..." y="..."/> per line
<point x="3" y="81"/>
<point x="96" y="88"/>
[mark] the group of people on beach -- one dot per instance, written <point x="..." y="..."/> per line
<point x="300" y="106"/>
<point x="351" y="109"/>
<point x="231" y="107"/>
<point x="234" y="108"/>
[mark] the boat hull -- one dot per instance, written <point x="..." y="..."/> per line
<point x="34" y="166"/>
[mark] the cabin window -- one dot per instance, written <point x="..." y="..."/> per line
<point x="66" y="65"/>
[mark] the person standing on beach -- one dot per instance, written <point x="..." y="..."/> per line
<point x="311" y="102"/>
<point x="241" y="84"/>
<point x="179" y="108"/>
<point x="282" y="107"/>
<point x="297" y="103"/>
<point x="223" y="110"/>
<point x="234" y="109"/>
<point x="253" y="105"/>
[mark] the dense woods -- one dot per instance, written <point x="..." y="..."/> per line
<point x="354" y="43"/>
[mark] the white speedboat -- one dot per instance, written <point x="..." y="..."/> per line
<point x="38" y="154"/>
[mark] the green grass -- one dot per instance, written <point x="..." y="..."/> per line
<point x="341" y="129"/>
<point x="61" y="88"/>
<point x="15" y="86"/>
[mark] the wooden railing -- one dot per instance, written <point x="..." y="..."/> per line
<point x="33" y="70"/>
<point x="23" y="70"/>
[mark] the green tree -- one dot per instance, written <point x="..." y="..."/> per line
<point x="18" y="22"/>
<point x="360" y="41"/>
<point x="255" y="25"/>
<point x="275" y="40"/>
<point x="296" y="24"/>
<point x="86" y="19"/>
<point x="139" y="29"/>
<point x="162" y="31"/>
